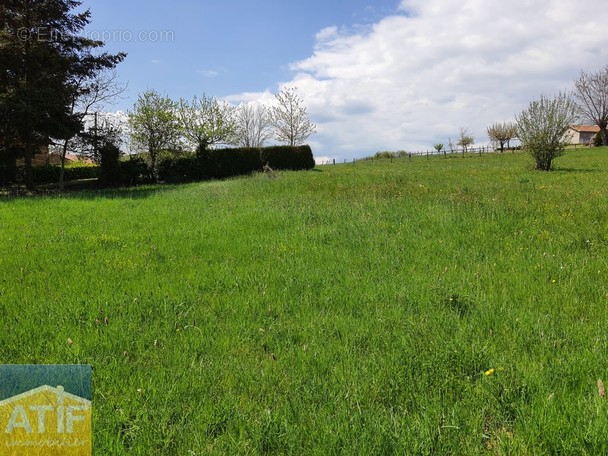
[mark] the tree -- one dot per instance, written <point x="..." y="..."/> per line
<point x="88" y="93"/>
<point x="252" y="125"/>
<point x="101" y="131"/>
<point x="465" y="140"/>
<point x="591" y="94"/>
<point x="154" y="124"/>
<point x="502" y="133"/>
<point x="206" y="122"/>
<point x="542" y="125"/>
<point x="41" y="52"/>
<point x="289" y="118"/>
<point x="439" y="147"/>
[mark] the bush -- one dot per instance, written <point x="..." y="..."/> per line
<point x="385" y="154"/>
<point x="597" y="140"/>
<point x="185" y="168"/>
<point x="109" y="172"/>
<point x="50" y="173"/>
<point x="288" y="157"/>
<point x="135" y="171"/>
<point x="223" y="163"/>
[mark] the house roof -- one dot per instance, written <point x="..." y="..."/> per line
<point x="586" y="128"/>
<point x="45" y="389"/>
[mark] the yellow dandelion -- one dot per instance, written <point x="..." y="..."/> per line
<point x="489" y="372"/>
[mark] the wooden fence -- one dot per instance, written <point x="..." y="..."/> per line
<point x="427" y="154"/>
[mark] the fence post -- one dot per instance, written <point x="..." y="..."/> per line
<point x="334" y="162"/>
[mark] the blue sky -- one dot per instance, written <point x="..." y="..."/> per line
<point x="218" y="47"/>
<point x="374" y="75"/>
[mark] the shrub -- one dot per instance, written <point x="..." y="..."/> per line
<point x="294" y="158"/>
<point x="385" y="155"/>
<point x="223" y="163"/>
<point x="179" y="169"/>
<point x="50" y="173"/>
<point x="134" y="171"/>
<point x="597" y="140"/>
<point x="109" y="172"/>
<point x="542" y="126"/>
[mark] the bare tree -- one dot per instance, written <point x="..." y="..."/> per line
<point x="89" y="94"/>
<point x="290" y="119"/>
<point x="99" y="132"/>
<point x="466" y="139"/>
<point x="206" y="122"/>
<point x="502" y="133"/>
<point x="542" y="126"/>
<point x="252" y="125"/>
<point x="591" y="94"/>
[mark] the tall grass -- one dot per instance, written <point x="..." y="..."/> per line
<point x="441" y="306"/>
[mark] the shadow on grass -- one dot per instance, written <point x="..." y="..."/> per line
<point x="86" y="190"/>
<point x="578" y="170"/>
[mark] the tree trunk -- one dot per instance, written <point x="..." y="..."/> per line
<point x="64" y="151"/>
<point x="28" y="156"/>
<point x="604" y="135"/>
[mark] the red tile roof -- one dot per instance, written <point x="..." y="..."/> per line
<point x="586" y="128"/>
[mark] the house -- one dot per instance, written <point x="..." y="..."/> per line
<point x="581" y="134"/>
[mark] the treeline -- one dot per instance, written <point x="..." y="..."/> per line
<point x="53" y="80"/>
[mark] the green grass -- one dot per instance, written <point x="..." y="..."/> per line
<point x="349" y="310"/>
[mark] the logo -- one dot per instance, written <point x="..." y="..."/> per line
<point x="45" y="420"/>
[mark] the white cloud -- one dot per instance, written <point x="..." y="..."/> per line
<point x="415" y="77"/>
<point x="208" y="73"/>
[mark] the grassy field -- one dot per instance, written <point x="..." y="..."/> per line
<point x="443" y="306"/>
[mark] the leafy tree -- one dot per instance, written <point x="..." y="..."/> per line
<point x="206" y="122"/>
<point x="252" y="125"/>
<point x="154" y="124"/>
<point x="289" y="118"/>
<point x="439" y="147"/>
<point x="466" y="139"/>
<point x="502" y="133"/>
<point x="591" y="94"/>
<point x="542" y="125"/>
<point x="42" y="51"/>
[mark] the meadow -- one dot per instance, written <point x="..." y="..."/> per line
<point x="433" y="306"/>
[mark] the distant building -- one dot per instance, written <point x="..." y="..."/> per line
<point x="581" y="134"/>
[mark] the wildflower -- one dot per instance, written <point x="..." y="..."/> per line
<point x="489" y="372"/>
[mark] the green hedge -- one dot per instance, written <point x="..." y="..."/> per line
<point x="134" y="171"/>
<point x="207" y="164"/>
<point x="288" y="157"/>
<point x="223" y="163"/>
<point x="50" y="173"/>
<point x="184" y="168"/>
